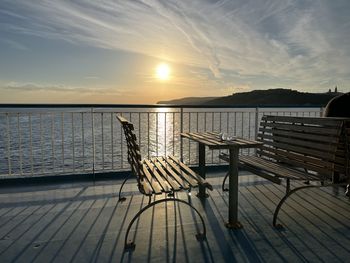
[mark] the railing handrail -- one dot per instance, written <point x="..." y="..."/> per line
<point x="63" y="105"/>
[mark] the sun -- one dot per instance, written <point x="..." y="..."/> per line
<point x="163" y="71"/>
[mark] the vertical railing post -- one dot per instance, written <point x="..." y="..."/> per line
<point x="53" y="141"/>
<point x="62" y="139"/>
<point x="181" y="131"/>
<point x="157" y="146"/>
<point x="148" y="134"/>
<point x="8" y="144"/>
<point x="189" y="142"/>
<point x="173" y="133"/>
<point x="41" y="144"/>
<point x="83" y="140"/>
<point x="165" y="127"/>
<point x="73" y="143"/>
<point x="31" y="144"/>
<point x="140" y="141"/>
<point x="19" y="145"/>
<point x="93" y="142"/>
<point x="256" y="126"/>
<point x="112" y="141"/>
<point x="256" y="122"/>
<point x="103" y="144"/>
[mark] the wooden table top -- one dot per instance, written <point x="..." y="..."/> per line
<point x="213" y="140"/>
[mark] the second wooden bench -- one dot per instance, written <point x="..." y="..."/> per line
<point x="300" y="148"/>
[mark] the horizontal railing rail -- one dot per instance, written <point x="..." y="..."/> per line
<point x="133" y="106"/>
<point x="46" y="139"/>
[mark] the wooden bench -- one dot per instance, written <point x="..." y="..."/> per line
<point x="156" y="176"/>
<point x="300" y="148"/>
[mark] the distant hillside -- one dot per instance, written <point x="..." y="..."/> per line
<point x="271" y="97"/>
<point x="189" y="101"/>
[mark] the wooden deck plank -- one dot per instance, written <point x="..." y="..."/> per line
<point x="90" y="226"/>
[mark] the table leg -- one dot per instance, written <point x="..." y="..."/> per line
<point x="201" y="153"/>
<point x="233" y="191"/>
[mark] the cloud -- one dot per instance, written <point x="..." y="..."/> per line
<point x="29" y="87"/>
<point x="92" y="77"/>
<point x="13" y="44"/>
<point x="33" y="87"/>
<point x="305" y="42"/>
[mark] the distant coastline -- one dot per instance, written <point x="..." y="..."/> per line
<point x="270" y="97"/>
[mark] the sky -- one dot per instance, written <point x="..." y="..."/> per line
<point x="107" y="51"/>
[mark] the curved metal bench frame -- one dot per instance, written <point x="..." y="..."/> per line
<point x="224" y="189"/>
<point x="122" y="198"/>
<point x="289" y="193"/>
<point x="130" y="245"/>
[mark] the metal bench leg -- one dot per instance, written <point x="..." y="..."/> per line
<point x="289" y="194"/>
<point x="122" y="199"/>
<point x="288" y="186"/>
<point x="130" y="245"/>
<point x="223" y="183"/>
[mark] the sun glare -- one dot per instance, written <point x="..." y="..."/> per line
<point x="163" y="71"/>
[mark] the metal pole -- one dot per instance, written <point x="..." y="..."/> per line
<point x="181" y="131"/>
<point x="157" y="146"/>
<point x="19" y="145"/>
<point x="53" y="141"/>
<point x="173" y="133"/>
<point x="233" y="190"/>
<point x="256" y="122"/>
<point x="103" y="144"/>
<point x="41" y="144"/>
<point x="8" y="145"/>
<point x="73" y="143"/>
<point x="62" y="141"/>
<point x="83" y="139"/>
<point x="148" y="134"/>
<point x="31" y="144"/>
<point x="189" y="142"/>
<point x="112" y="147"/>
<point x="165" y="128"/>
<point x="93" y="142"/>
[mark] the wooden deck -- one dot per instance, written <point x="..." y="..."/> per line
<point x="83" y="222"/>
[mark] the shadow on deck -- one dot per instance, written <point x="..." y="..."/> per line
<point x="83" y="222"/>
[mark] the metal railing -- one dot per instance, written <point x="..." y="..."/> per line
<point x="76" y="139"/>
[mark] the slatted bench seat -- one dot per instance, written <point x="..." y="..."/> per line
<point x="156" y="176"/>
<point x="300" y="148"/>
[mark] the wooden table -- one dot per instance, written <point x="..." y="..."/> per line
<point x="213" y="141"/>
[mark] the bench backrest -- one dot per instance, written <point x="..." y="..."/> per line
<point x="134" y="155"/>
<point x="310" y="144"/>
